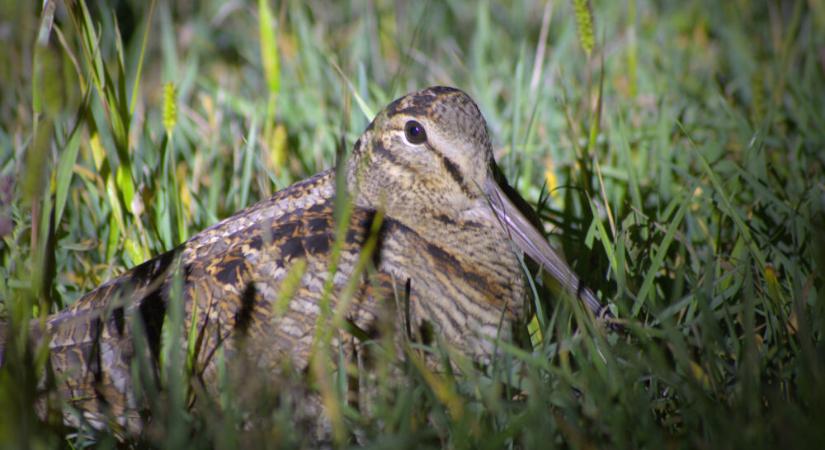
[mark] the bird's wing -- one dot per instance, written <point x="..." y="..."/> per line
<point x="231" y="283"/>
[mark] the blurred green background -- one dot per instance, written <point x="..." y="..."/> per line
<point x="676" y="148"/>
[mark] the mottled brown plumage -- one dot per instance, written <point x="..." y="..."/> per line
<point x="448" y="238"/>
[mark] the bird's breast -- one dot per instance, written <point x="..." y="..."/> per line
<point x="464" y="276"/>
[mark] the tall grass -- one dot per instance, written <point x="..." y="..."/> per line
<point x="676" y="148"/>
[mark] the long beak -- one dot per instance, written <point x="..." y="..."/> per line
<point x="531" y="242"/>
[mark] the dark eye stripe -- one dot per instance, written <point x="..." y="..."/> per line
<point x="453" y="170"/>
<point x="381" y="150"/>
<point x="449" y="165"/>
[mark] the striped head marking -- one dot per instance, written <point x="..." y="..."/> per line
<point x="426" y="152"/>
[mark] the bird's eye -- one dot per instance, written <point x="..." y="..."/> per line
<point x="415" y="133"/>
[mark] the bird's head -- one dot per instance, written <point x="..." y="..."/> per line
<point x="428" y="154"/>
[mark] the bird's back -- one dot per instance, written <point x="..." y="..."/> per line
<point x="232" y="284"/>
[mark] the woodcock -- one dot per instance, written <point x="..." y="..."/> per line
<point x="443" y="234"/>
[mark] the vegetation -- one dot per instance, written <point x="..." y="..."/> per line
<point x="677" y="147"/>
